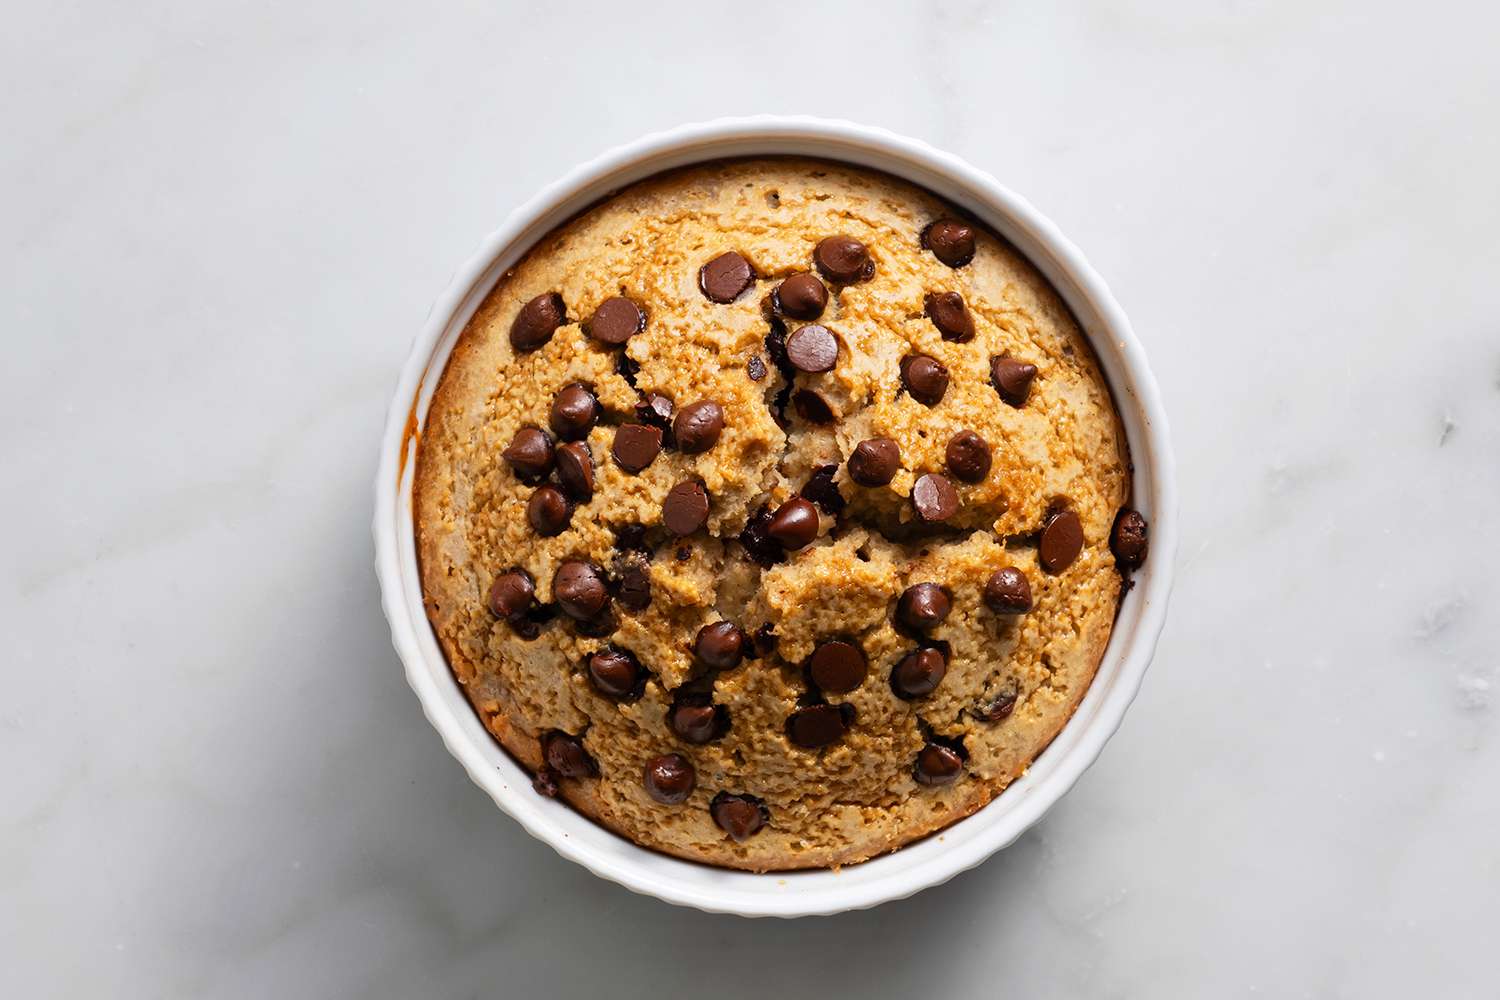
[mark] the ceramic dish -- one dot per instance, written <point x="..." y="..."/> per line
<point x="919" y="865"/>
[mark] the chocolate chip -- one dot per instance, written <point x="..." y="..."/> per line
<point x="765" y="640"/>
<point x="655" y="410"/>
<point x="923" y="606"/>
<point x="548" y="511"/>
<point x="512" y="595"/>
<point x="1062" y="540"/>
<point x="795" y="523"/>
<point x="565" y="754"/>
<point x="634" y="590"/>
<point x="757" y="540"/>
<point x="740" y="816"/>
<point x="837" y="666"/>
<point x="801" y="296"/>
<point x="1011" y="379"/>
<point x="616" y="321"/>
<point x="968" y="456"/>
<point x="949" y="314"/>
<point x="725" y="277"/>
<point x="544" y="782"/>
<point x="755" y="368"/>
<point x="695" y="723"/>
<point x="670" y="779"/>
<point x="994" y="711"/>
<point x="934" y="498"/>
<point x="720" y="645"/>
<point x="950" y="241"/>
<point x="599" y="626"/>
<point x="812" y="407"/>
<point x="627" y="368"/>
<point x="823" y="491"/>
<point x="636" y="446"/>
<point x="575" y="470"/>
<point x="819" y="725"/>
<point x="844" y="259"/>
<point x="925" y="378"/>
<point x="615" y="673"/>
<point x="874" y="462"/>
<point x="937" y="765"/>
<point x="685" y="509"/>
<point x="574" y="412"/>
<point x="529" y="454"/>
<point x="919" y="673"/>
<point x="1128" y="539"/>
<point x="697" y="426"/>
<point x="632" y="538"/>
<point x="1008" y="592"/>
<point x="536" y="322"/>
<point x="812" y="349"/>
<point x="579" y="590"/>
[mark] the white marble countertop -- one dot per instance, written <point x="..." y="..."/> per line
<point x="225" y="221"/>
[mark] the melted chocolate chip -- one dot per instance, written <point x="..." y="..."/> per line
<point x="1008" y="592"/>
<point x="670" y="779"/>
<point x="812" y="349"/>
<point x="934" y="498"/>
<point x="655" y="410"/>
<point x="512" y="595"/>
<point x="636" y="446"/>
<point x="801" y="296"/>
<point x="844" y="260"/>
<point x="544" y="782"/>
<point x="720" y="645"/>
<point x="685" y="509"/>
<point x="837" y="666"/>
<point x="537" y="321"/>
<point x="574" y="412"/>
<point x="919" y="673"/>
<point x="632" y="538"/>
<point x="924" y="378"/>
<point x="937" y="765"/>
<point x="578" y="588"/>
<point x="548" y="511"/>
<point x="634" y="590"/>
<point x="725" y="277"/>
<point x="950" y="241"/>
<point x="697" y="426"/>
<point x="923" y="606"/>
<point x="740" y="816"/>
<point x="575" y="470"/>
<point x="994" y="711"/>
<point x="1128" y="539"/>
<point x="819" y="725"/>
<point x="1062" y="540"/>
<point x="795" y="524"/>
<point x="765" y="640"/>
<point x="616" y="321"/>
<point x="875" y="462"/>
<point x="949" y="314"/>
<point x="812" y="407"/>
<point x="529" y="454"/>
<point x="823" y="491"/>
<point x="615" y="673"/>
<point x="1012" y="379"/>
<point x="757" y="540"/>
<point x="968" y="456"/>
<point x="565" y="754"/>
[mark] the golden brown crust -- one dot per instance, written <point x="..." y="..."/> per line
<point x="857" y="798"/>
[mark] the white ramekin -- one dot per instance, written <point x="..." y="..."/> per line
<point x="927" y="862"/>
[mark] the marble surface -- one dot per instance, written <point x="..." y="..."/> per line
<point x="225" y="221"/>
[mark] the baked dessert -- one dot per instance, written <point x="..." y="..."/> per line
<point x="771" y="513"/>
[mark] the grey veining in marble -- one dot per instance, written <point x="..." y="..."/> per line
<point x="223" y="223"/>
